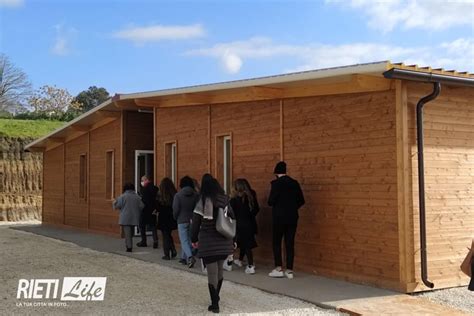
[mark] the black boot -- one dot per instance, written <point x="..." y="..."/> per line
<point x="219" y="285"/>
<point x="214" y="307"/>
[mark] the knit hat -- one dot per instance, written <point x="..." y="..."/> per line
<point x="280" y="168"/>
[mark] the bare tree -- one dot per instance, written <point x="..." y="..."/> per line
<point x="15" y="87"/>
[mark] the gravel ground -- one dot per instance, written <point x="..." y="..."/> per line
<point x="458" y="297"/>
<point x="133" y="286"/>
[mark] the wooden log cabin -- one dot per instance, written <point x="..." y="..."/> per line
<point x="348" y="135"/>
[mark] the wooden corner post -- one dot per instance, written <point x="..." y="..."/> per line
<point x="405" y="230"/>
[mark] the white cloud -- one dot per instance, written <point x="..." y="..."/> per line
<point x="231" y="62"/>
<point x="458" y="54"/>
<point x="424" y="14"/>
<point x="11" y="3"/>
<point x="63" y="41"/>
<point x="155" y="33"/>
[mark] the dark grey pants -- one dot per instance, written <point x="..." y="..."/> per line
<point x="154" y="233"/>
<point x="215" y="272"/>
<point x="128" y="231"/>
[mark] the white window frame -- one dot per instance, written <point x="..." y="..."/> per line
<point x="227" y="141"/>
<point x="173" y="163"/>
<point x="112" y="175"/>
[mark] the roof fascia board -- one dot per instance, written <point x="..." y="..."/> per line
<point x="378" y="67"/>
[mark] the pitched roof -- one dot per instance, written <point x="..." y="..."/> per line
<point x="137" y="101"/>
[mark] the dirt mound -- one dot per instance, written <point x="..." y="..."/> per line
<point x="20" y="181"/>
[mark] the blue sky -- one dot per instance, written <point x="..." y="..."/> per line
<point x="131" y="46"/>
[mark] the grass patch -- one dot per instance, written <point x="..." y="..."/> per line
<point x="27" y="128"/>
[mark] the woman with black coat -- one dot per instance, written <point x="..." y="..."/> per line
<point x="212" y="247"/>
<point x="245" y="206"/>
<point x="166" y="222"/>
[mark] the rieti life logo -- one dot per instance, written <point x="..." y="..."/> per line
<point x="72" y="289"/>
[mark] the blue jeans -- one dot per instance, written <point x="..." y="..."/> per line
<point x="184" y="231"/>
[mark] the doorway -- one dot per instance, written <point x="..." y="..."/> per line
<point x="143" y="166"/>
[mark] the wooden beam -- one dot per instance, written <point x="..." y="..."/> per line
<point x="50" y="146"/>
<point x="343" y="85"/>
<point x="56" y="140"/>
<point x="267" y="92"/>
<point x="185" y="99"/>
<point x="145" y="102"/>
<point x="405" y="230"/>
<point x="357" y="84"/>
<point x="107" y="114"/>
<point x="104" y="121"/>
<point x="74" y="135"/>
<point x="80" y="128"/>
<point x="373" y="83"/>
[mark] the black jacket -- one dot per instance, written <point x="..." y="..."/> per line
<point x="211" y="242"/>
<point x="166" y="222"/>
<point x="245" y="215"/>
<point x="148" y="194"/>
<point x="285" y="198"/>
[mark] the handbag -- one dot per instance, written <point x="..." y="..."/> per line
<point x="466" y="264"/>
<point x="226" y="225"/>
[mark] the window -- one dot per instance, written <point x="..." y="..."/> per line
<point x="83" y="176"/>
<point x="224" y="161"/>
<point x="171" y="161"/>
<point x="109" y="174"/>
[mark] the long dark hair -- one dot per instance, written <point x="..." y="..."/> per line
<point x="241" y="187"/>
<point x="167" y="192"/>
<point x="210" y="188"/>
<point x="128" y="186"/>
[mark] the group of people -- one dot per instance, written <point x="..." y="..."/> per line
<point x="194" y="211"/>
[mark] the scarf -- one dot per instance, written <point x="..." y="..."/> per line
<point x="206" y="210"/>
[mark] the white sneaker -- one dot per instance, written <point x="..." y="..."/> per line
<point x="227" y="266"/>
<point x="238" y="263"/>
<point x="276" y="274"/>
<point x="250" y="270"/>
<point x="289" y="274"/>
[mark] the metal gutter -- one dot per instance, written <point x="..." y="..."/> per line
<point x="437" y="80"/>
<point x="404" y="74"/>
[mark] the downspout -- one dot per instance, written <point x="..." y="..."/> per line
<point x="437" y="80"/>
<point x="421" y="179"/>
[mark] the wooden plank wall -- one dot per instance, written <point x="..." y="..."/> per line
<point x="102" y="216"/>
<point x="138" y="134"/>
<point x="255" y="128"/>
<point x="449" y="181"/>
<point x="188" y="126"/>
<point x="53" y="186"/>
<point x="76" y="209"/>
<point x="342" y="149"/>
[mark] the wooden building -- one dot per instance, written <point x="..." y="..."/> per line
<point x="348" y="135"/>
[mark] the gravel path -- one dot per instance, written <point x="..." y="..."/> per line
<point x="459" y="297"/>
<point x="133" y="286"/>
